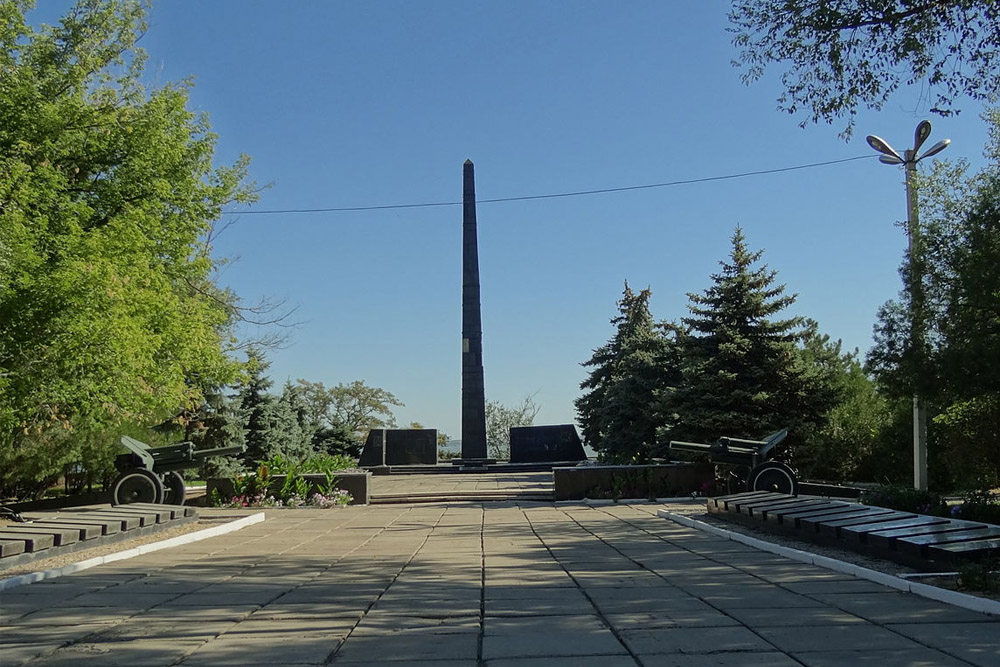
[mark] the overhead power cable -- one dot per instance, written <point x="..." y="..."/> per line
<point x="580" y="193"/>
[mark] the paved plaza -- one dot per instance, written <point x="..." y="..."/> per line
<point x="463" y="584"/>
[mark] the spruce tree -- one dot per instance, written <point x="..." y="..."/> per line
<point x="272" y="422"/>
<point x="218" y="422"/>
<point x="618" y="413"/>
<point x="743" y="375"/>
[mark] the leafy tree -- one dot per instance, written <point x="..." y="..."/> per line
<point x="957" y="369"/>
<point x="619" y="414"/>
<point x="500" y="419"/>
<point x="361" y="407"/>
<point x="217" y="422"/>
<point x="107" y="199"/>
<point x="340" y="417"/>
<point x="845" y="445"/>
<point x="743" y="372"/>
<point x="842" y="55"/>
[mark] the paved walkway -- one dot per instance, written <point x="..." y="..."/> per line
<point x="471" y="584"/>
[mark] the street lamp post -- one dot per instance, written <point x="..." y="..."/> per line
<point x="909" y="160"/>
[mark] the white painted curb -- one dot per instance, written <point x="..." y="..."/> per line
<point x="197" y="536"/>
<point x="970" y="602"/>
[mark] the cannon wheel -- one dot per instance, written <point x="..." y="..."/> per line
<point x="773" y="476"/>
<point x="173" y="488"/>
<point x="137" y="486"/>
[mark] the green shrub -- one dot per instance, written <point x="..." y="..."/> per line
<point x="905" y="499"/>
<point x="982" y="576"/>
<point x="979" y="505"/>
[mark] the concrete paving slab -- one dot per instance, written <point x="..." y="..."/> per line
<point x="136" y="629"/>
<point x="56" y="616"/>
<point x="244" y="649"/>
<point x="900" y="608"/>
<point x="575" y="661"/>
<point x="880" y="658"/>
<point x="650" y="620"/>
<point x="388" y="623"/>
<point x="408" y="646"/>
<point x="860" y="637"/>
<point x="200" y="599"/>
<point x="693" y="640"/>
<point x="581" y="623"/>
<point x="621" y="601"/>
<point x="544" y="606"/>
<point x="545" y="643"/>
<point x="221" y="612"/>
<point x="845" y="585"/>
<point x="348" y="609"/>
<point x="802" y="616"/>
<point x="41" y="634"/>
<point x="978" y="643"/>
<point x="139" y="653"/>
<point x="755" y="597"/>
<point x="15" y="654"/>
<point x="737" y="659"/>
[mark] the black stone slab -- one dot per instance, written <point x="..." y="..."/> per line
<point x="789" y="515"/>
<point x="960" y="551"/>
<point x="32" y="541"/>
<point x="125" y="521"/>
<point x="176" y="511"/>
<point x="886" y="539"/>
<point x="841" y="511"/>
<point x="859" y="533"/>
<point x="546" y="444"/>
<point x="106" y="526"/>
<point x="764" y="511"/>
<point x="720" y="501"/>
<point x="373" y="454"/>
<point x="831" y="528"/>
<point x="746" y="506"/>
<point x="11" y="547"/>
<point x="729" y="503"/>
<point x="147" y="517"/>
<point x="60" y="536"/>
<point x="400" y="447"/>
<point x="84" y="531"/>
<point x="917" y="544"/>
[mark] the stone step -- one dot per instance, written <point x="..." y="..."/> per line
<point x="461" y="496"/>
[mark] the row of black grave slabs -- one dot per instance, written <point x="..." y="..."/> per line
<point x="82" y="528"/>
<point x="915" y="540"/>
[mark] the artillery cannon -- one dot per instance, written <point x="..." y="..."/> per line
<point x="149" y="474"/>
<point x="766" y="474"/>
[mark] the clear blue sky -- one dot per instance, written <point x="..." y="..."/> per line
<point x="374" y="102"/>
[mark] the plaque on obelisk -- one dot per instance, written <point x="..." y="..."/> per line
<point x="473" y="392"/>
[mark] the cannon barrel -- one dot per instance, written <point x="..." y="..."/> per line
<point x="200" y="454"/>
<point x="689" y="446"/>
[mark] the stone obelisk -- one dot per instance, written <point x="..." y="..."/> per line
<point x="473" y="391"/>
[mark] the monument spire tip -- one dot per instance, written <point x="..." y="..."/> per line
<point x="468" y="162"/>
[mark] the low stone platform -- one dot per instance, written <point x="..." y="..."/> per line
<point x="54" y="534"/>
<point x="916" y="540"/>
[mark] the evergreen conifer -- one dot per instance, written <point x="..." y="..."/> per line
<point x="743" y="374"/>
